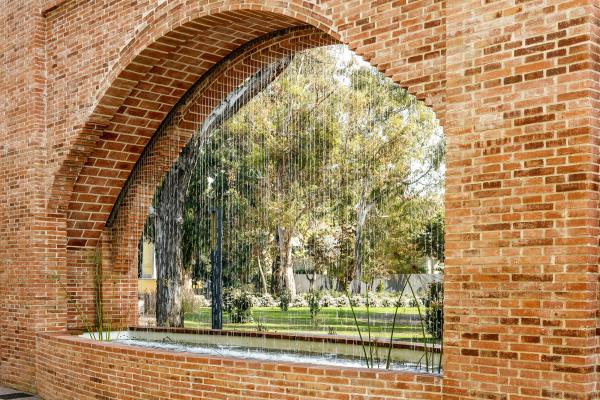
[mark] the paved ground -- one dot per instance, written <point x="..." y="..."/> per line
<point x="8" y="394"/>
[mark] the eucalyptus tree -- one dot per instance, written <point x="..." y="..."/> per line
<point x="331" y="162"/>
<point x="391" y="151"/>
<point x="169" y="212"/>
<point x="293" y="124"/>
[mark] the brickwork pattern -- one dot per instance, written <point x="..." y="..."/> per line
<point x="522" y="201"/>
<point x="71" y="368"/>
<point x="515" y="83"/>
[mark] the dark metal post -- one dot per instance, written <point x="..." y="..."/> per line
<point x="217" y="263"/>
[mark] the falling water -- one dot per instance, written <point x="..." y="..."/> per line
<point x="316" y="164"/>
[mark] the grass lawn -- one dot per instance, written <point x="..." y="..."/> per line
<point x="331" y="320"/>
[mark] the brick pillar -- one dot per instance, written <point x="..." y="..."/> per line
<point x="30" y="300"/>
<point x="522" y="201"/>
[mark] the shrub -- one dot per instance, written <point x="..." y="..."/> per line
<point x="260" y="327"/>
<point x="404" y="301"/>
<point x="342" y="301"/>
<point x="313" y="298"/>
<point x="227" y="296"/>
<point x="265" y="300"/>
<point x="299" y="301"/>
<point x="434" y="310"/>
<point x="238" y="304"/>
<point x="357" y="301"/>
<point x="373" y="301"/>
<point x="241" y="307"/>
<point x="285" y="299"/>
<point x="380" y="287"/>
<point x="327" y="300"/>
<point x="387" y="301"/>
<point x="256" y="300"/>
<point x="412" y="302"/>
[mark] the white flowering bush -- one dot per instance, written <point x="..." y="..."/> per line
<point x="299" y="301"/>
<point x="357" y="301"/>
<point x="264" y="300"/>
<point x="327" y="300"/>
<point x="342" y="301"/>
<point x="373" y="300"/>
<point x="387" y="301"/>
<point x="415" y="302"/>
<point x="409" y="301"/>
<point x="269" y="301"/>
<point x="256" y="300"/>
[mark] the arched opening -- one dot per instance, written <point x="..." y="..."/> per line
<point x="120" y="143"/>
<point x="349" y="175"/>
<point x="521" y="196"/>
<point x="147" y="81"/>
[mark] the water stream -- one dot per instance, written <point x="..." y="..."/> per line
<point x="292" y="355"/>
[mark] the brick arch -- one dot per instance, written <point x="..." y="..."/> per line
<point x="122" y="140"/>
<point x="158" y="156"/>
<point x="172" y="30"/>
<point x="174" y="47"/>
<point x="205" y="95"/>
<point x="522" y="195"/>
<point x="415" y="29"/>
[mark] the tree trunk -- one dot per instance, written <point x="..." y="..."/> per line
<point x="169" y="260"/>
<point x="361" y="218"/>
<point x="311" y="281"/>
<point x="263" y="278"/>
<point x="171" y="197"/>
<point x="275" y="276"/>
<point x="285" y="260"/>
<point x="357" y="272"/>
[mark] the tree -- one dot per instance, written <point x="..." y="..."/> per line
<point x="291" y="120"/>
<point x="330" y="163"/>
<point x="171" y="195"/>
<point x="390" y="151"/>
<point x="402" y="234"/>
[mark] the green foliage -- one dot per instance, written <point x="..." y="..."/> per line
<point x="285" y="298"/>
<point x="434" y="310"/>
<point x="103" y="325"/>
<point x="431" y="239"/>
<point x="102" y="328"/>
<point x="314" y="304"/>
<point x="237" y="302"/>
<point x="260" y="327"/>
<point x="349" y="168"/>
<point x="227" y="297"/>
<point x="405" y="236"/>
<point x="298" y="320"/>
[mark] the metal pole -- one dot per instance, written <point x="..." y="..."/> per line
<point x="217" y="264"/>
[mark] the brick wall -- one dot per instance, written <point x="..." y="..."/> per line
<point x="28" y="304"/>
<point x="515" y="82"/>
<point x="522" y="200"/>
<point x="72" y="368"/>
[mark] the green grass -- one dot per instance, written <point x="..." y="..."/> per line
<point x="338" y="319"/>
